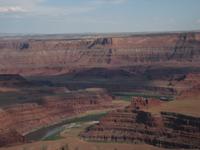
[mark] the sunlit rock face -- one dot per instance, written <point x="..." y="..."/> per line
<point x="55" y="56"/>
<point x="135" y="125"/>
<point x="18" y="120"/>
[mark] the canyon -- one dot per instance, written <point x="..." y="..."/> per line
<point x="43" y="56"/>
<point x="135" y="125"/>
<point x="18" y="120"/>
<point x="45" y="80"/>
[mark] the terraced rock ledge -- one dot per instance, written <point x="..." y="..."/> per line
<point x="135" y="125"/>
<point x="18" y="120"/>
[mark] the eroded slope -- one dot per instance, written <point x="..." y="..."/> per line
<point x="134" y="125"/>
<point x="56" y="56"/>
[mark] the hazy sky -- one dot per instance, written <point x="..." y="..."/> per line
<point x="80" y="16"/>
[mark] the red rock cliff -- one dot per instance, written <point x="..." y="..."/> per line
<point x="132" y="125"/>
<point x="54" y="56"/>
<point x="21" y="119"/>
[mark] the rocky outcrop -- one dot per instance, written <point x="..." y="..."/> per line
<point x="144" y="103"/>
<point x="21" y="119"/>
<point x="134" y="125"/>
<point x="192" y="82"/>
<point x="8" y="135"/>
<point x="100" y="42"/>
<point x="56" y="56"/>
<point x="192" y="92"/>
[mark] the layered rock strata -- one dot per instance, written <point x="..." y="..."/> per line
<point x="134" y="125"/>
<point x="55" y="56"/>
<point x="8" y="135"/>
<point x="21" y="119"/>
